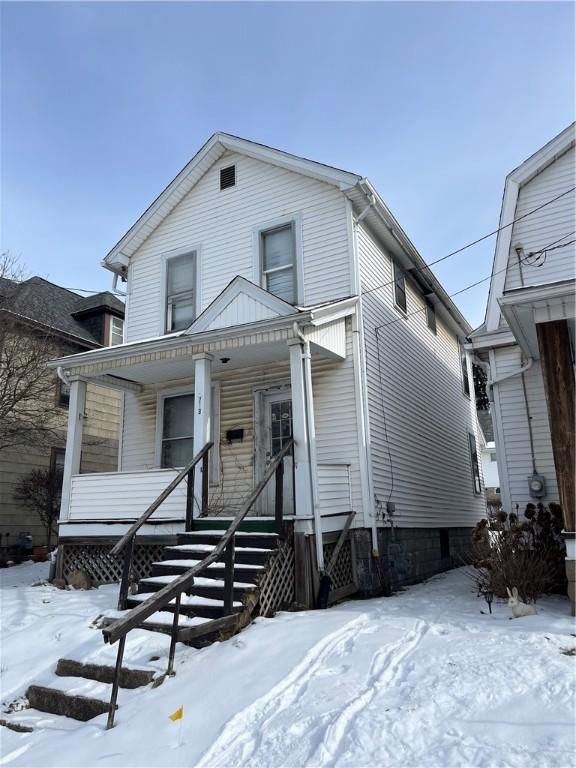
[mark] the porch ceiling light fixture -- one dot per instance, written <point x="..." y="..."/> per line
<point x="224" y="360"/>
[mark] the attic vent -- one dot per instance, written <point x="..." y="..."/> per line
<point x="227" y="177"/>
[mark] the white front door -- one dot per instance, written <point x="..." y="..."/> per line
<point x="273" y="430"/>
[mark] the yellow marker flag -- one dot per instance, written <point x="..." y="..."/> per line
<point x="178" y="715"/>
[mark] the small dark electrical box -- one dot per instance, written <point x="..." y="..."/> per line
<point x="235" y="435"/>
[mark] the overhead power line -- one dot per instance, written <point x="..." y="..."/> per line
<point x="474" y="242"/>
<point x="550" y="247"/>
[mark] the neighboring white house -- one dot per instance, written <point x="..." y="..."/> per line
<point x="527" y="339"/>
<point x="269" y="295"/>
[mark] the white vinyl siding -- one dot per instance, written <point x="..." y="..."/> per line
<point x="224" y="226"/>
<point x="545" y="226"/>
<point x="515" y="451"/>
<point x="336" y="435"/>
<point x="419" y="416"/>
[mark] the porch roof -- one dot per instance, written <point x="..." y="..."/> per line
<point x="170" y="356"/>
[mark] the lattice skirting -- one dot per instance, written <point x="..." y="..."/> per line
<point x="102" y="567"/>
<point x="343" y="576"/>
<point x="276" y="586"/>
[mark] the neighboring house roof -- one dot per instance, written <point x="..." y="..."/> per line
<point x="102" y="300"/>
<point x="39" y="301"/>
<point x="485" y="421"/>
<point x="356" y="187"/>
<point x="516" y="179"/>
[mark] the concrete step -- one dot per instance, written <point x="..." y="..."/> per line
<point x="59" y="702"/>
<point x="129" y="678"/>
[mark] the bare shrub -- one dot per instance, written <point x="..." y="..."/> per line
<point x="527" y="554"/>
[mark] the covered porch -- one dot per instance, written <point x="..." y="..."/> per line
<point x="248" y="388"/>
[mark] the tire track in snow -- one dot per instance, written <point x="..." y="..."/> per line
<point x="242" y="735"/>
<point x="385" y="670"/>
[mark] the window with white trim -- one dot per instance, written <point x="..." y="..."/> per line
<point x="399" y="288"/>
<point x="116" y="330"/>
<point x="278" y="262"/>
<point x="180" y="291"/>
<point x="177" y="431"/>
<point x="476" y="481"/>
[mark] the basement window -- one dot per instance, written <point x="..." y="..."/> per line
<point x="228" y="177"/>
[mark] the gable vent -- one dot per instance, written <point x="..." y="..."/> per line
<point x="228" y="177"/>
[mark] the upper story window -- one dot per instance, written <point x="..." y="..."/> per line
<point x="430" y="315"/>
<point x="180" y="291"/>
<point x="464" y="367"/>
<point x="228" y="177"/>
<point x="116" y="330"/>
<point x="399" y="288"/>
<point x="278" y="262"/>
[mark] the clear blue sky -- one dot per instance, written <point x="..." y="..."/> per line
<point x="103" y="103"/>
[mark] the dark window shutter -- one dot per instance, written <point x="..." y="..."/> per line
<point x="228" y="177"/>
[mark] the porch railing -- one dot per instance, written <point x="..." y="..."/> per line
<point x="127" y="541"/>
<point x="118" y="630"/>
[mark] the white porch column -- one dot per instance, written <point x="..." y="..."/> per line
<point x="73" y="453"/>
<point x="202" y="411"/>
<point x="302" y="476"/>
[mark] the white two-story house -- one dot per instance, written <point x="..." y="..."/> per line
<point x="269" y="297"/>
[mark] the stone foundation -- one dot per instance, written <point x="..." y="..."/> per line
<point x="407" y="556"/>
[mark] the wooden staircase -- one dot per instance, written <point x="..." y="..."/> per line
<point x="206" y="609"/>
<point x="205" y="585"/>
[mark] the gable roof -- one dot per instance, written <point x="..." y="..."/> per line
<point x="239" y="303"/>
<point x="40" y="301"/>
<point x="515" y="180"/>
<point x="211" y="152"/>
<point x="357" y="188"/>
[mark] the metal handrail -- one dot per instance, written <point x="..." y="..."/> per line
<point x="121" y="627"/>
<point x="133" y="530"/>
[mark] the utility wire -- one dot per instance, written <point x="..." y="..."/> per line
<point x="474" y="242"/>
<point x="546" y="250"/>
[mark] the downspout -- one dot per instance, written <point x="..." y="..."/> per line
<point x="358" y="344"/>
<point x="312" y="460"/>
<point x="62" y="376"/>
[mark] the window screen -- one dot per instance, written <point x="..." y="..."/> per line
<point x="180" y="293"/>
<point x="177" y="431"/>
<point x="278" y="262"/>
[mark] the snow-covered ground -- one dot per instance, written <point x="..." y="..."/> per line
<point x="419" y="679"/>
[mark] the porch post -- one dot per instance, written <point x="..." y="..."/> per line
<point x="302" y="477"/>
<point x="76" y="407"/>
<point x="202" y="411"/>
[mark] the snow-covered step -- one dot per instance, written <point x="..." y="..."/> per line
<point x="188" y="601"/>
<point x="209" y="547"/>
<point x="245" y="555"/>
<point x="243" y="572"/>
<point x="187" y="564"/>
<point x="102" y="673"/>
<point x="60" y="702"/>
<point x="256" y="539"/>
